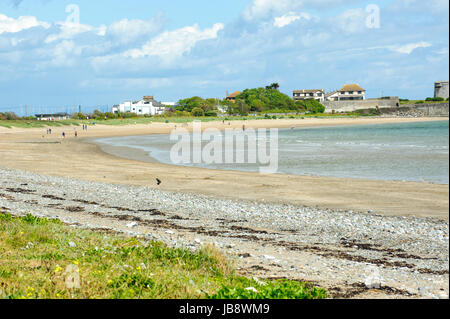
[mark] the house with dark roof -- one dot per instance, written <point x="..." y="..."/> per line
<point x="318" y="95"/>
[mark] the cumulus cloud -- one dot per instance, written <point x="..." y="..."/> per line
<point x="69" y="29"/>
<point x="11" y="25"/>
<point x="126" y="31"/>
<point x="262" y="8"/>
<point x="289" y="18"/>
<point x="410" y="47"/>
<point x="266" y="41"/>
<point x="352" y="20"/>
<point x="172" y="44"/>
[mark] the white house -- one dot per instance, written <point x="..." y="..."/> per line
<point x="318" y="95"/>
<point x="146" y="106"/>
<point x="351" y="92"/>
<point x="52" y="117"/>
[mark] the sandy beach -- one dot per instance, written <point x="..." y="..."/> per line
<point x="80" y="158"/>
<point x="345" y="235"/>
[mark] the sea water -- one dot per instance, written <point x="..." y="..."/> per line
<point x="406" y="151"/>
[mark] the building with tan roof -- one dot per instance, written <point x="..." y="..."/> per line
<point x="349" y="92"/>
<point x="232" y="97"/>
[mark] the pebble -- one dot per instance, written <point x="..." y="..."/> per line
<point x="332" y="230"/>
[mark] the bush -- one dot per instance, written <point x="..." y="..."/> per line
<point x="434" y="99"/>
<point x="79" y="116"/>
<point x="9" y="116"/>
<point x="261" y="99"/>
<point x="198" y="112"/>
<point x="311" y="106"/>
<point x="211" y="113"/>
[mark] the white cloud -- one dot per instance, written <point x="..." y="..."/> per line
<point x="352" y="20"/>
<point x="409" y="48"/>
<point x="70" y="29"/>
<point x="129" y="30"/>
<point x="11" y="25"/>
<point x="287" y="19"/>
<point x="172" y="44"/>
<point x="262" y="8"/>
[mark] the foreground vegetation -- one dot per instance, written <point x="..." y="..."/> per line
<point x="45" y="259"/>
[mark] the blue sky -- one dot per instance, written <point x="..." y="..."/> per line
<point x="119" y="50"/>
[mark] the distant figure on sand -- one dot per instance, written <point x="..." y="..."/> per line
<point x="63" y="134"/>
<point x="243" y="127"/>
<point x="76" y="134"/>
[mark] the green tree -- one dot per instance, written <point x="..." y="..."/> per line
<point x="187" y="105"/>
<point x="273" y="86"/>
<point x="310" y="106"/>
<point x="198" y="111"/>
<point x="263" y="99"/>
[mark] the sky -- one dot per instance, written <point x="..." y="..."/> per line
<point x="104" y="52"/>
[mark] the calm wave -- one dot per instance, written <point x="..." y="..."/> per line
<point x="406" y="151"/>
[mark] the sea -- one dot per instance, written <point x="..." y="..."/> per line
<point x="417" y="151"/>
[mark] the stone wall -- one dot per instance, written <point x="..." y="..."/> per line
<point x="441" y="89"/>
<point x="418" y="110"/>
<point x="350" y="106"/>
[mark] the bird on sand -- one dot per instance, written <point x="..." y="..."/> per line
<point x="158" y="181"/>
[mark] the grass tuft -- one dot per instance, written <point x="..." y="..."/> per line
<point x="45" y="259"/>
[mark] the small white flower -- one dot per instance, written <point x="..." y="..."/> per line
<point x="252" y="289"/>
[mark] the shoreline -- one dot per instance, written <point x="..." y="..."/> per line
<point x="145" y="156"/>
<point x="69" y="157"/>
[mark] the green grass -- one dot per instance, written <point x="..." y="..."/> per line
<point x="41" y="259"/>
<point x="36" y="123"/>
<point x="149" y="120"/>
<point x="420" y="102"/>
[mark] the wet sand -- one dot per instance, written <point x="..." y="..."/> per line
<point x="79" y="158"/>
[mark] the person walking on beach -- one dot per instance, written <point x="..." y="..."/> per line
<point x="63" y="134"/>
<point x="76" y="134"/>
